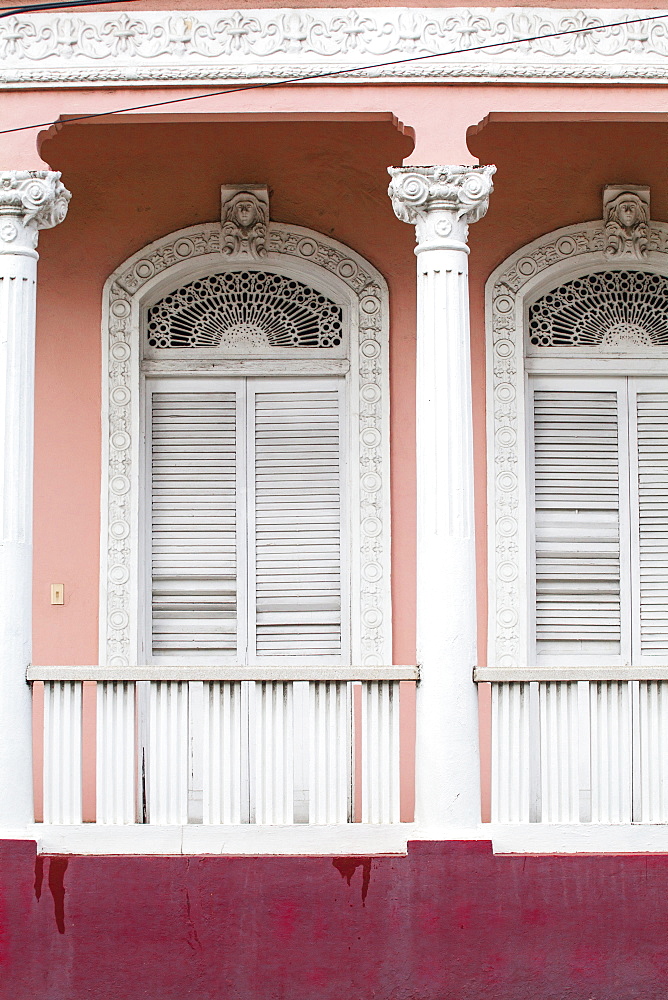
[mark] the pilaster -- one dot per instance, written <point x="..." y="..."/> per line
<point x="29" y="201"/>
<point x="441" y="201"/>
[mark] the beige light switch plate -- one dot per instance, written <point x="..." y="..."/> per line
<point x="57" y="593"/>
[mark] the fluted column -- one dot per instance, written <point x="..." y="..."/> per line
<point x="29" y="201"/>
<point x="441" y="202"/>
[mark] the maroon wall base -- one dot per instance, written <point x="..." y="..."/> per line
<point x="448" y="922"/>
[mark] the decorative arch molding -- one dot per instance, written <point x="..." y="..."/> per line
<point x="552" y="259"/>
<point x="362" y="291"/>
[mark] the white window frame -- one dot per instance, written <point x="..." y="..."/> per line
<point x="343" y="276"/>
<point x="552" y="259"/>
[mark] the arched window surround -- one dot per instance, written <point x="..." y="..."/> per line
<point x="339" y="273"/>
<point x="550" y="260"/>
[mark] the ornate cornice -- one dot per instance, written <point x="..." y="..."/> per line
<point x="30" y="200"/>
<point x="440" y="201"/>
<point x="49" y="50"/>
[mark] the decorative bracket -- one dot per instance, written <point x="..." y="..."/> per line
<point x="441" y="202"/>
<point x="245" y="217"/>
<point x="626" y="221"/>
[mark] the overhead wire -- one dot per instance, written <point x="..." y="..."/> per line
<point x="62" y="5"/>
<point x="328" y="74"/>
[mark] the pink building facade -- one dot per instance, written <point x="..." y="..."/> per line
<point x="335" y="597"/>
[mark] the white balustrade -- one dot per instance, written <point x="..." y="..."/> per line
<point x="240" y="744"/>
<point x="330" y="758"/>
<point x="222" y="752"/>
<point x="585" y="745"/>
<point x="380" y="752"/>
<point x="62" y="751"/>
<point x="115" y="764"/>
<point x="168" y="753"/>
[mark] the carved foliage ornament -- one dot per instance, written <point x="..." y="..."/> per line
<point x="369" y="366"/>
<point x="626" y="219"/>
<point x="243" y="44"/>
<point x="245" y="216"/>
<point x="440" y="201"/>
<point x="30" y="200"/>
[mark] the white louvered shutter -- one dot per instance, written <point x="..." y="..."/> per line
<point x="649" y="480"/>
<point x="581" y="519"/>
<point x="193" y="521"/>
<point x="246" y="519"/>
<point x="295" y="551"/>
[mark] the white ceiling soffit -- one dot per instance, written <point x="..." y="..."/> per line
<point x="49" y="50"/>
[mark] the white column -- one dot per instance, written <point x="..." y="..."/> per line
<point x="29" y="201"/>
<point x="441" y="202"/>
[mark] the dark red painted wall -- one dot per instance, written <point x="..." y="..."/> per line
<point x="448" y="922"/>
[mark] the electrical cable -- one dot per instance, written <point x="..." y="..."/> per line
<point x="30" y="8"/>
<point x="328" y="74"/>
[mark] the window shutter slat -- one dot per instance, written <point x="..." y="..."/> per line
<point x="193" y="538"/>
<point x="297" y="541"/>
<point x="577" y="502"/>
<point x="652" y="434"/>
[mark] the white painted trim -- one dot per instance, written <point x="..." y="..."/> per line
<point x="342" y="274"/>
<point x="521" y="675"/>
<point x="581" y="838"/>
<point x="246" y="839"/>
<point x="140" y="48"/>
<point x="552" y="259"/>
<point x="188" y="672"/>
<point x="353" y="839"/>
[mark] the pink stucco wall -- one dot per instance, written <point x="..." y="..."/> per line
<point x="555" y="148"/>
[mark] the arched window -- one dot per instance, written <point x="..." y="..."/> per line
<point x="246" y="507"/>
<point x="579" y="443"/>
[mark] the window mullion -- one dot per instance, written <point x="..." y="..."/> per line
<point x="628" y="520"/>
<point x="248" y="572"/>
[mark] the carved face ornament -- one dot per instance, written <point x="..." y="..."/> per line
<point x="628" y="213"/>
<point x="244" y="214"/>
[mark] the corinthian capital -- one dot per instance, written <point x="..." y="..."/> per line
<point x="440" y="201"/>
<point x="30" y="200"/>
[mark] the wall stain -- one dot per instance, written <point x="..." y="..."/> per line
<point x="39" y="876"/>
<point x="57" y="869"/>
<point x="192" y="937"/>
<point x="347" y="866"/>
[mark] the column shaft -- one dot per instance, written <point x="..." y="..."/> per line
<point x="17" y="352"/>
<point x="29" y="201"/>
<point x="441" y="202"/>
<point x="447" y="773"/>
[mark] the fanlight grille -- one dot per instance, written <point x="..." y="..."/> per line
<point x="613" y="309"/>
<point x="245" y="310"/>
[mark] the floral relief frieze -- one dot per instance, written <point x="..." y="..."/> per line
<point x="50" y="49"/>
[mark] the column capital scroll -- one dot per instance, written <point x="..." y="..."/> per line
<point x="30" y="200"/>
<point x="441" y="201"/>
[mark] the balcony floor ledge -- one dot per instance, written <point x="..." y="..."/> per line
<point x="578" y="838"/>
<point x="196" y="839"/>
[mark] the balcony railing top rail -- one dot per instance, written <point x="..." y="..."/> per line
<point x="207" y="672"/>
<point x="570" y="674"/>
